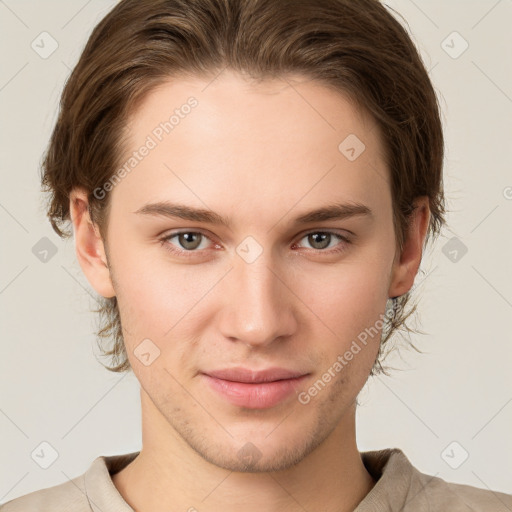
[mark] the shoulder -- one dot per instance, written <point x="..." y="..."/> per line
<point x="69" y="496"/>
<point x="403" y="487"/>
<point x="93" y="490"/>
<point x="442" y="495"/>
<point x="473" y="498"/>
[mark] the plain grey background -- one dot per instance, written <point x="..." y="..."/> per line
<point x="449" y="409"/>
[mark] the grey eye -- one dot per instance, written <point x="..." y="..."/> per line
<point x="189" y="240"/>
<point x="319" y="240"/>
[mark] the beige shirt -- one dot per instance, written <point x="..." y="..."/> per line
<point x="400" y="487"/>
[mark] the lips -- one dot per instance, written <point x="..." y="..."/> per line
<point x="255" y="377"/>
<point x="251" y="389"/>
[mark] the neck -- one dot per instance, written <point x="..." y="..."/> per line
<point x="169" y="475"/>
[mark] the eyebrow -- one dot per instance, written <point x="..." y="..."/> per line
<point x="336" y="211"/>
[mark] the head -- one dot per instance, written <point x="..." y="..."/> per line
<point x="260" y="112"/>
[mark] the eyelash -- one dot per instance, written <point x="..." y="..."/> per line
<point x="165" y="241"/>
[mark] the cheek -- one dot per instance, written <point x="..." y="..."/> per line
<point x="346" y="297"/>
<point x="157" y="315"/>
<point x="147" y="294"/>
<point x="153" y="307"/>
<point x="160" y="300"/>
<point x="347" y="303"/>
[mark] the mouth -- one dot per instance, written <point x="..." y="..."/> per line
<point x="255" y="389"/>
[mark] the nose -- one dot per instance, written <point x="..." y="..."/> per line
<point x="258" y="303"/>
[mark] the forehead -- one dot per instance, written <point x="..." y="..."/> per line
<point x="289" y="137"/>
<point x="231" y="99"/>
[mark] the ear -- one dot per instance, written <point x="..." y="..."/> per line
<point x="89" y="247"/>
<point x="406" y="264"/>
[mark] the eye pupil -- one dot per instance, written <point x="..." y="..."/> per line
<point x="313" y="239"/>
<point x="187" y="242"/>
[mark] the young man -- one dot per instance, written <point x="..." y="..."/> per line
<point x="250" y="183"/>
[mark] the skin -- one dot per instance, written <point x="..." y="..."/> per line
<point x="261" y="155"/>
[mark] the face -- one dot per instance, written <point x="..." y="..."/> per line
<point x="267" y="290"/>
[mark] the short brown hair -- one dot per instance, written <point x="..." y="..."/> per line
<point x="355" y="47"/>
